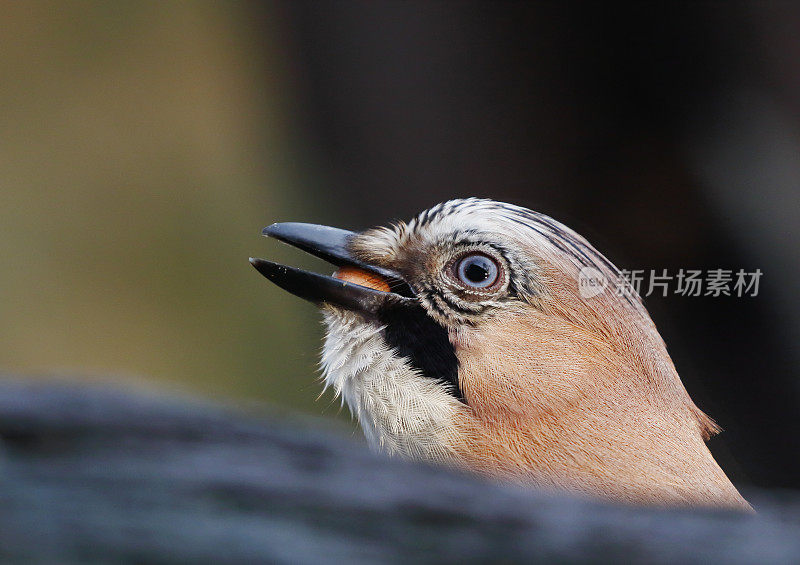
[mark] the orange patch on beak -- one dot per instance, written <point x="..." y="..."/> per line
<point x="363" y="278"/>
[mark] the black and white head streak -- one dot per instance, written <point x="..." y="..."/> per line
<point x="418" y="338"/>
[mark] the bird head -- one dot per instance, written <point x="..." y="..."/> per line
<point x="465" y="337"/>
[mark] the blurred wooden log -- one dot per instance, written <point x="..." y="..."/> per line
<point x="91" y="473"/>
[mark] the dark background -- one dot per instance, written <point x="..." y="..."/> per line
<point x="143" y="146"/>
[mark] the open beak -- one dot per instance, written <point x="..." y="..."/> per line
<point x="330" y="244"/>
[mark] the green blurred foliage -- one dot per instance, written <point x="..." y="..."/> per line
<point x="142" y="148"/>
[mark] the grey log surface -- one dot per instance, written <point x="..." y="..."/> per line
<point x="96" y="474"/>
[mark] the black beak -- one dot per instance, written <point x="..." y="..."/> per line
<point x="329" y="244"/>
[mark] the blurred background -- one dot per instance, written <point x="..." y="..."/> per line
<point x="144" y="145"/>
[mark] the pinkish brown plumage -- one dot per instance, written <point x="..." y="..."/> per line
<point x="485" y="355"/>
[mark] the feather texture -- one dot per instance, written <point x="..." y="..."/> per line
<point x="558" y="390"/>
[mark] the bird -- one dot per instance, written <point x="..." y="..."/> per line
<point x="466" y="337"/>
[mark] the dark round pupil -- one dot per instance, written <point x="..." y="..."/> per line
<point x="476" y="272"/>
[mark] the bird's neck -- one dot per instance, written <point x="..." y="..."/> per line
<point x="558" y="406"/>
<point x="624" y="454"/>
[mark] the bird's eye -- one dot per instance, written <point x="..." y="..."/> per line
<point x="477" y="271"/>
